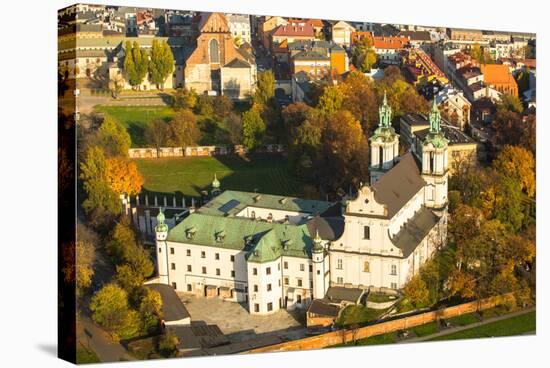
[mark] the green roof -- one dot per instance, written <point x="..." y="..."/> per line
<point x="231" y="202"/>
<point x="263" y="241"/>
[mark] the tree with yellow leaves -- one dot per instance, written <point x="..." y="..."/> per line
<point x="517" y="163"/>
<point x="123" y="176"/>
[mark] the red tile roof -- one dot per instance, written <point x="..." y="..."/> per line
<point x="294" y="29"/>
<point x="381" y="42"/>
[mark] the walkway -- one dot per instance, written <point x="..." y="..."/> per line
<point x="452" y="330"/>
<point x="92" y="336"/>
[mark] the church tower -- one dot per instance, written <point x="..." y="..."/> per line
<point x="161" y="232"/>
<point x="384" y="144"/>
<point x="318" y="255"/>
<point x="435" y="163"/>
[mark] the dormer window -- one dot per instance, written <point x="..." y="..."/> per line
<point x="220" y="236"/>
<point x="190" y="233"/>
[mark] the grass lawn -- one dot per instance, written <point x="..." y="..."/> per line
<point x="189" y="175"/>
<point x="85" y="356"/>
<point x="388" y="338"/>
<point x="463" y="320"/>
<point x="426" y="329"/>
<point x="358" y="314"/>
<point x="136" y="118"/>
<point x="380" y="298"/>
<point x="508" y="327"/>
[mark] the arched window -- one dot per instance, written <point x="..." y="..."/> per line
<point x="214" y="51"/>
<point x="380" y="156"/>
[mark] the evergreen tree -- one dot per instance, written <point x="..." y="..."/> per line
<point x="129" y="66"/>
<point x="253" y="128"/>
<point x="161" y="64"/>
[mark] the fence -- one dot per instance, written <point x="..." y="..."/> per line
<point x="343" y="336"/>
<point x="199" y="151"/>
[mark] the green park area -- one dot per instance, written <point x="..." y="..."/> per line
<point x="136" y="118"/>
<point x="516" y="325"/>
<point x="358" y="314"/>
<point x="188" y="176"/>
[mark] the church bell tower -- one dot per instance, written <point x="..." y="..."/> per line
<point x="435" y="163"/>
<point x="384" y="144"/>
<point x="161" y="232"/>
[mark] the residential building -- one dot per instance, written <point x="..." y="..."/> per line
<point x="266" y="29"/>
<point x="388" y="48"/>
<point x="292" y="31"/>
<point x="239" y="25"/>
<point x="317" y="58"/>
<point x="341" y="33"/>
<point x="452" y="103"/>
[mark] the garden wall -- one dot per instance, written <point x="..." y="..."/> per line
<point x="199" y="151"/>
<point x="343" y="336"/>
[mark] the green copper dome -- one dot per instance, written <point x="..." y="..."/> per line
<point x="435" y="136"/>
<point x="385" y="131"/>
<point x="215" y="182"/>
<point x="161" y="225"/>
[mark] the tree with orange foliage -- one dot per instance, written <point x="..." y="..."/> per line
<point x="123" y="176"/>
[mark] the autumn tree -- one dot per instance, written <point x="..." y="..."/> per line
<point x="183" y="130"/>
<point x="150" y="310"/>
<point x="156" y="133"/>
<point x="79" y="259"/>
<point x="101" y="202"/>
<point x="121" y="242"/>
<point x="110" y="310"/>
<point x="364" y="56"/>
<point x="510" y="102"/>
<point x="204" y="106"/>
<point x="517" y="163"/>
<point x="416" y="292"/>
<point x="223" y="106"/>
<point x="113" y="137"/>
<point x="253" y="128"/>
<point x="161" y="63"/>
<point x="234" y="125"/>
<point x="184" y="99"/>
<point x="359" y="98"/>
<point x="123" y="176"/>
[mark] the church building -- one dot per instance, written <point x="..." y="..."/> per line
<point x="272" y="252"/>
<point x="216" y="65"/>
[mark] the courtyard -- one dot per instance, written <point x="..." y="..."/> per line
<point x="238" y="325"/>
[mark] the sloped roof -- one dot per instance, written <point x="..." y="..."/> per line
<point x="497" y="74"/>
<point x="415" y="230"/>
<point x="322" y="308"/>
<point x="396" y="187"/>
<point x="245" y="234"/>
<point x="328" y="228"/>
<point x="294" y="29"/>
<point x="237" y="63"/>
<point x="213" y="22"/>
<point x="172" y="307"/>
<point x="245" y="199"/>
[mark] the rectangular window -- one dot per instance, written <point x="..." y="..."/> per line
<point x="171" y="250"/>
<point x="299" y="299"/>
<point x="302" y="267"/>
<point x="189" y="287"/>
<point x="188" y="252"/>
<point x="203" y="254"/>
<point x="339" y="264"/>
<point x="311" y="284"/>
<point x="254" y="271"/>
<point x="394" y="270"/>
<point x="217" y="256"/>
<point x="268" y="287"/>
<point x="189" y="269"/>
<point x="232" y="273"/>
<point x="232" y="258"/>
<point x="279" y="282"/>
<point x="366" y="266"/>
<point x="394" y="285"/>
<point x="255" y="288"/>
<point x="299" y="281"/>
<point x="160" y="250"/>
<point x="310" y="268"/>
<point x="173" y="266"/>
<point x="204" y="270"/>
<point x="366" y="232"/>
<point x="269" y="307"/>
<point x="256" y="307"/>
<point x="285" y="265"/>
<point x="278" y="266"/>
<point x="268" y="271"/>
<point x="174" y="285"/>
<point x="218" y="272"/>
<point x="340" y="280"/>
<point x="286" y="281"/>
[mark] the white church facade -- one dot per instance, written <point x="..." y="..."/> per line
<point x="272" y="252"/>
